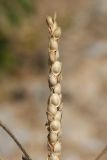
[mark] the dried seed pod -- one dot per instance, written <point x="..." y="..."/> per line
<point x="57" y="32"/>
<point x="54" y="99"/>
<point x="52" y="109"/>
<point x="58" y="115"/>
<point x="53" y="137"/>
<point x="53" y="44"/>
<point x="57" y="147"/>
<point x="57" y="88"/>
<point x="56" y="68"/>
<point x="52" y="79"/>
<point x="49" y="20"/>
<point x="60" y="78"/>
<point x="55" y="125"/>
<point x="60" y="96"/>
<point x="54" y="27"/>
<point x="57" y="54"/>
<point x="59" y="135"/>
<point x="50" y="118"/>
<point x="60" y="107"/>
<point x="53" y="157"/>
<point x="52" y="57"/>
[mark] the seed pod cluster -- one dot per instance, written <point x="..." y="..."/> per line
<point x="54" y="108"/>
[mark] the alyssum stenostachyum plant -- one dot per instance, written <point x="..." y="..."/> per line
<point x="54" y="108"/>
<point x="55" y="104"/>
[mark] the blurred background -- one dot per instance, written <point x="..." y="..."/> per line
<point x="24" y="71"/>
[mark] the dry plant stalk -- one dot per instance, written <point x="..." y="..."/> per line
<point x="55" y="105"/>
<point x="101" y="153"/>
<point x="5" y="128"/>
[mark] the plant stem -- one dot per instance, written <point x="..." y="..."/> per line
<point x="101" y="153"/>
<point x="4" y="127"/>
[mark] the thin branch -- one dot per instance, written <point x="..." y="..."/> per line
<point x="5" y="128"/>
<point x="101" y="153"/>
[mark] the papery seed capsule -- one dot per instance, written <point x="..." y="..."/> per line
<point x="57" y="147"/>
<point x="54" y="27"/>
<point x="60" y="107"/>
<point x="53" y="44"/>
<point x="59" y="135"/>
<point x="52" y="79"/>
<point x="50" y="117"/>
<point x="54" y="99"/>
<point x="53" y="157"/>
<point x="53" y="137"/>
<point x="52" y="57"/>
<point x="58" y="115"/>
<point x="57" y="54"/>
<point x="60" y="96"/>
<point x="57" y="88"/>
<point x="55" y="125"/>
<point x="52" y="109"/>
<point x="57" y="32"/>
<point x="56" y="67"/>
<point x="59" y="77"/>
<point x="49" y="20"/>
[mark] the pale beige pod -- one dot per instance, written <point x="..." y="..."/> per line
<point x="56" y="67"/>
<point x="53" y="137"/>
<point x="54" y="27"/>
<point x="55" y="99"/>
<point x="57" y="147"/>
<point x="53" y="157"/>
<point x="53" y="45"/>
<point x="49" y="20"/>
<point x="60" y="107"/>
<point x="57" y="54"/>
<point x="55" y="125"/>
<point x="58" y="115"/>
<point x="60" y="96"/>
<point x="52" y="109"/>
<point x="52" y="56"/>
<point x="59" y="78"/>
<point x="57" y="88"/>
<point x="50" y="117"/>
<point x="57" y="32"/>
<point x="52" y="79"/>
